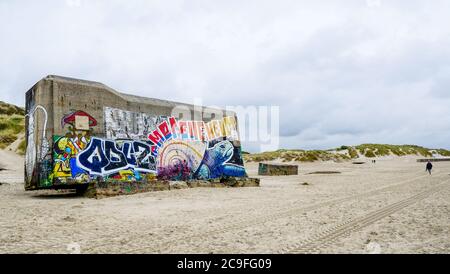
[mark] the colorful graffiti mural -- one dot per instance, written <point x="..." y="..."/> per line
<point x="66" y="148"/>
<point x="217" y="162"/>
<point x="79" y="157"/>
<point x="206" y="149"/>
<point x="143" y="145"/>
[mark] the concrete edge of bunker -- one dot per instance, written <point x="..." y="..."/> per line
<point x="100" y="189"/>
<point x="266" y="169"/>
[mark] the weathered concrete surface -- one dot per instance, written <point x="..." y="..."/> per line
<point x="241" y="182"/>
<point x="114" y="188"/>
<point x="178" y="185"/>
<point x="277" y="169"/>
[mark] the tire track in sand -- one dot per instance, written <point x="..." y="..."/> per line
<point x="323" y="239"/>
<point x="279" y="214"/>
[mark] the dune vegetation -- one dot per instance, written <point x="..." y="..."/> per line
<point x="345" y="153"/>
<point x="12" y="125"/>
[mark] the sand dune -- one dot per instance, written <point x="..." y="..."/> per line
<point x="392" y="206"/>
<point x="11" y="167"/>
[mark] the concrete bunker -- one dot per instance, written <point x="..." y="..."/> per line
<point x="79" y="132"/>
<point x="277" y="169"/>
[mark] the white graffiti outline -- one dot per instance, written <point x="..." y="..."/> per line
<point x="31" y="151"/>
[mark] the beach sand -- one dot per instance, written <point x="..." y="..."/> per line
<point x="392" y="206"/>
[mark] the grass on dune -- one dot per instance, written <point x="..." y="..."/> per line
<point x="10" y="127"/>
<point x="296" y="155"/>
<point x="9" y="110"/>
<point x="345" y="153"/>
<point x="12" y="123"/>
<point x="22" y="147"/>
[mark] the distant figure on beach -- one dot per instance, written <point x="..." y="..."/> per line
<point x="429" y="167"/>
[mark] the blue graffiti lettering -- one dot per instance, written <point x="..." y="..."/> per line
<point x="93" y="157"/>
<point x="103" y="157"/>
<point x="128" y="150"/>
<point x="144" y="158"/>
<point x="117" y="160"/>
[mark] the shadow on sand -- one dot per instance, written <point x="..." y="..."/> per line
<point x="49" y="194"/>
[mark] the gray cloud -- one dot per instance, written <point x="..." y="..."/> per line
<point x="366" y="71"/>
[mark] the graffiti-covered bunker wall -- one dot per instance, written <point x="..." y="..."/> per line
<point x="78" y="131"/>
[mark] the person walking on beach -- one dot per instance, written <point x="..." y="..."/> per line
<point x="429" y="167"/>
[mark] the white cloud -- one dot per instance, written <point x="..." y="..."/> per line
<point x="73" y="3"/>
<point x="363" y="71"/>
<point x="373" y="3"/>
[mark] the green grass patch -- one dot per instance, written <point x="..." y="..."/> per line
<point x="8" y="109"/>
<point x="6" y="140"/>
<point x="10" y="127"/>
<point x="443" y="152"/>
<point x="352" y="153"/>
<point x="22" y="147"/>
<point x="343" y="153"/>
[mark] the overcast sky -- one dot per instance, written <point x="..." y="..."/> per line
<point x="342" y="72"/>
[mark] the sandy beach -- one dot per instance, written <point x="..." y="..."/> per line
<point x="392" y="206"/>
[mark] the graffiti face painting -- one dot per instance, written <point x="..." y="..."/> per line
<point x="139" y="145"/>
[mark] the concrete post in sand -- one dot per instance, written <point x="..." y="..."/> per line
<point x="277" y="169"/>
